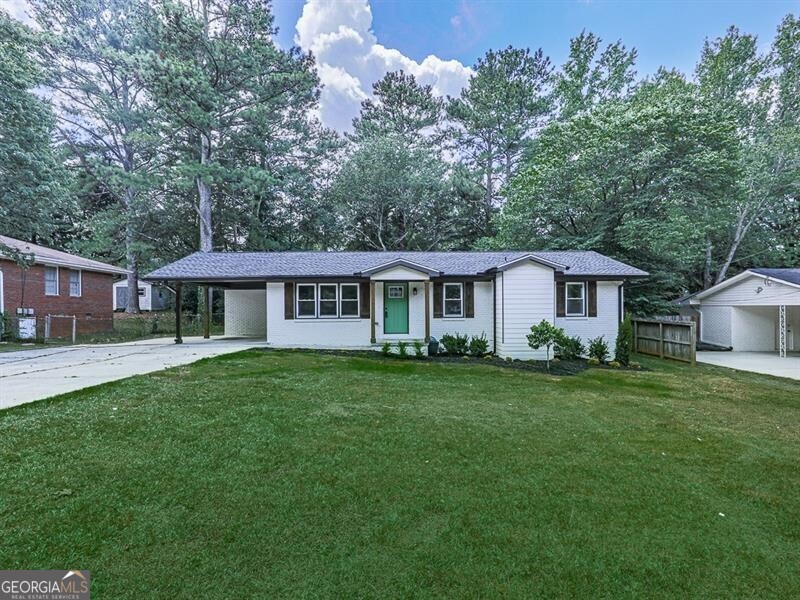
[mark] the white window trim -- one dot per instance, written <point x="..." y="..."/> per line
<point x="402" y="288"/>
<point x="460" y="287"/>
<point x="80" y="283"/>
<point x="319" y="300"/>
<point x="357" y="301"/>
<point x="297" y="301"/>
<point x="582" y="298"/>
<point x="58" y="276"/>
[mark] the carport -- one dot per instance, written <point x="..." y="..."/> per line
<point x="755" y="311"/>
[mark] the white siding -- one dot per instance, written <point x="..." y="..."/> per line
<point x="525" y="298"/>
<point x="245" y="313"/>
<point x="311" y="333"/>
<point x="715" y="325"/>
<point x="481" y="323"/>
<point x="400" y="273"/>
<point x="606" y="323"/>
<point x="744" y="292"/>
<point x="754" y="328"/>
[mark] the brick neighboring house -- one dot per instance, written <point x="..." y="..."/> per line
<point x="58" y="283"/>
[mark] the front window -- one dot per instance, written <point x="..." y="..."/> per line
<point x="348" y="303"/>
<point x="576" y="300"/>
<point x="453" y="300"/>
<point x="75" y="283"/>
<point x="51" y="281"/>
<point x="328" y="294"/>
<point x="306" y="300"/>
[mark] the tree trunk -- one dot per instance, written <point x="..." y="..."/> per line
<point x="204" y="192"/>
<point x="707" y="282"/>
<point x="738" y="236"/>
<point x="132" y="302"/>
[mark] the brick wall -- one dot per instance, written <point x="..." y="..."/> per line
<point x="93" y="307"/>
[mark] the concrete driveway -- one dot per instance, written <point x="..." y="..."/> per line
<point x="768" y="363"/>
<point x="35" y="374"/>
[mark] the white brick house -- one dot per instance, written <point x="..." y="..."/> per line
<point x="362" y="299"/>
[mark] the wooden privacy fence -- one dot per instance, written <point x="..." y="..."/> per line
<point x="666" y="339"/>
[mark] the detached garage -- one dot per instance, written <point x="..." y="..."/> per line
<point x="755" y="311"/>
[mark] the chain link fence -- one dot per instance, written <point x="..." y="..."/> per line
<point x="121" y="327"/>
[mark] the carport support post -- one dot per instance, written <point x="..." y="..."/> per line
<point x="178" y="312"/>
<point x="207" y="313"/>
<point x="782" y="330"/>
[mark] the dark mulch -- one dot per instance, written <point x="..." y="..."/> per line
<point x="557" y="367"/>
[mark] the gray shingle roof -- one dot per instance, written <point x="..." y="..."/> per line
<point x="790" y="275"/>
<point x="213" y="266"/>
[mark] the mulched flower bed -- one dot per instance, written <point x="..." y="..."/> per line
<point x="557" y="367"/>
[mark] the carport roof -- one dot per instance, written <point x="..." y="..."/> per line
<point x="788" y="275"/>
<point x="231" y="266"/>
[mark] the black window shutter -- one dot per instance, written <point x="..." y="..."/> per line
<point x="438" y="311"/>
<point x="561" y="299"/>
<point x="469" y="299"/>
<point x="288" y="300"/>
<point x="363" y="294"/>
<point x="592" y="298"/>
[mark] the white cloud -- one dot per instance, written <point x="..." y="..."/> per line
<point x="18" y="9"/>
<point x="350" y="59"/>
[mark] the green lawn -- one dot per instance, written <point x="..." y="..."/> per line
<point x="279" y="474"/>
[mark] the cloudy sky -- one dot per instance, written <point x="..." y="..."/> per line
<point x="357" y="41"/>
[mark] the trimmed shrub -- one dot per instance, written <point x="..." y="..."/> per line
<point x="457" y="344"/>
<point x="386" y="349"/>
<point x="614" y="364"/>
<point x="418" y="349"/>
<point x="624" y="345"/>
<point x="598" y="348"/>
<point x="570" y="348"/>
<point x="479" y="345"/>
<point x="593" y="361"/>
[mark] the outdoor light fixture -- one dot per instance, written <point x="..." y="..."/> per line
<point x="414" y="291"/>
<point x="759" y="289"/>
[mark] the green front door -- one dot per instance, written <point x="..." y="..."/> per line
<point x="395" y="308"/>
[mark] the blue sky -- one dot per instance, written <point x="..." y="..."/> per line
<point x="357" y="41"/>
<point x="665" y="33"/>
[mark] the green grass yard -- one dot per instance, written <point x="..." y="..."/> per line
<point x="280" y="474"/>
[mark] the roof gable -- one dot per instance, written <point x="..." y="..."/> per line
<point x="49" y="256"/>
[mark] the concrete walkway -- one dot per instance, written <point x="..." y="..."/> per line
<point x="768" y="363"/>
<point x="31" y="375"/>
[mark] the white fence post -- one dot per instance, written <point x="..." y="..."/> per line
<point x="47" y="327"/>
<point x="74" y="328"/>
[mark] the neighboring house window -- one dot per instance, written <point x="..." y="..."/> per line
<point x="576" y="300"/>
<point x="142" y="292"/>
<point x="328" y="299"/>
<point x="51" y="281"/>
<point x="306" y="300"/>
<point x="453" y="300"/>
<point x="74" y="283"/>
<point x="348" y="300"/>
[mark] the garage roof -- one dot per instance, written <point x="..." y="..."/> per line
<point x="787" y="275"/>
